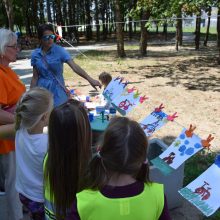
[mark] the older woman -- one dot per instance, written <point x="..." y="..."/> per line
<point x="11" y="89"/>
<point x="47" y="62"/>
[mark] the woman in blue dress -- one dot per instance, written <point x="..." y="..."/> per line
<point x="47" y="62"/>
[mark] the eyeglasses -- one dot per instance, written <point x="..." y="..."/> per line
<point x="13" y="46"/>
<point x="48" y="37"/>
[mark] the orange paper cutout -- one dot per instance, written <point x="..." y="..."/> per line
<point x="189" y="132"/>
<point x="206" y="143"/>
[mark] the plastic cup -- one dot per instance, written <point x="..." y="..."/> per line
<point x="112" y="110"/>
<point x="91" y="117"/>
<point x="99" y="109"/>
<point x="72" y="92"/>
<point x="87" y="98"/>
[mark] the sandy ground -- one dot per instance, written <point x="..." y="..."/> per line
<point x="186" y="82"/>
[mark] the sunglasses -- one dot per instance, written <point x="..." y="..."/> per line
<point x="48" y="37"/>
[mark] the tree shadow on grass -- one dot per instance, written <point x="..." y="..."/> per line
<point x="192" y="69"/>
<point x="193" y="73"/>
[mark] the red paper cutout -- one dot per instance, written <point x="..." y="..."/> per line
<point x="143" y="98"/>
<point x="131" y="90"/>
<point x="159" y="108"/>
<point x="172" y="117"/>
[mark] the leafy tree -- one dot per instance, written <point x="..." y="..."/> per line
<point x="144" y="10"/>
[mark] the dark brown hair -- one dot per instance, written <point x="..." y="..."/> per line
<point x="105" y="78"/>
<point x="68" y="154"/>
<point x="42" y="28"/>
<point x="123" y="151"/>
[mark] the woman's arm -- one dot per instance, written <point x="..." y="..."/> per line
<point x="77" y="69"/>
<point x="7" y="131"/>
<point x="34" y="78"/>
<point x="6" y="117"/>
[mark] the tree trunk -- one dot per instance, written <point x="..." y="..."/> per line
<point x="104" y="21"/>
<point x="88" y="20"/>
<point x="107" y="17"/>
<point x="179" y="30"/>
<point x="35" y="14"/>
<point x="41" y="10"/>
<point x="197" y="32"/>
<point x="218" y="32"/>
<point x="97" y="21"/>
<point x="157" y="27"/>
<point x="177" y="37"/>
<point x="119" y="30"/>
<point x="48" y="11"/>
<point x="165" y="30"/>
<point x="54" y="11"/>
<point x="26" y="12"/>
<point x="59" y="17"/>
<point x="208" y="26"/>
<point x="65" y="18"/>
<point x="130" y="33"/>
<point x="145" y="15"/>
<point x="10" y="13"/>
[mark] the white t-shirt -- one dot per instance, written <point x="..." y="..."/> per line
<point x="30" y="150"/>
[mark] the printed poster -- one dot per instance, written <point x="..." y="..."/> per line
<point x="204" y="191"/>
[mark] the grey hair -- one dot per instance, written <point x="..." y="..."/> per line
<point x="31" y="107"/>
<point x="6" y="37"/>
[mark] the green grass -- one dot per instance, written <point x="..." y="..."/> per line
<point x="197" y="164"/>
<point x="216" y="216"/>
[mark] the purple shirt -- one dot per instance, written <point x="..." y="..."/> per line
<point x="130" y="190"/>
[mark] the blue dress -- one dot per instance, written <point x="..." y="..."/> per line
<point x="47" y="77"/>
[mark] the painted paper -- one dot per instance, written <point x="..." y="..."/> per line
<point x="204" y="191"/>
<point x="154" y="122"/>
<point x="184" y="147"/>
<point x="114" y="88"/>
<point x="127" y="101"/>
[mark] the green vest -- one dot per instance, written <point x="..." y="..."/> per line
<point x="148" y="205"/>
<point x="48" y="203"/>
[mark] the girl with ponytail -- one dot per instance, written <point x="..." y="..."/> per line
<point x="118" y="178"/>
<point x="32" y="115"/>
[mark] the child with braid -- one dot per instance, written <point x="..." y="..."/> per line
<point x="32" y="115"/>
